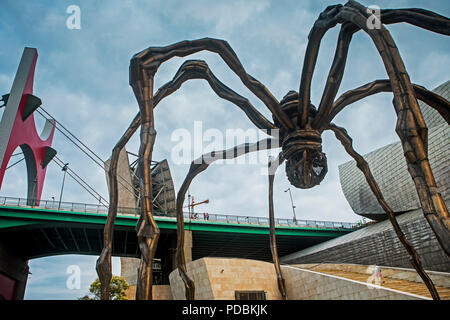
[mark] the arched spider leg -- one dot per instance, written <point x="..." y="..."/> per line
<point x="143" y="67"/>
<point x="418" y="17"/>
<point x="410" y="127"/>
<point x="103" y="265"/>
<point x="147" y="230"/>
<point x="336" y="72"/>
<point x="198" y="69"/>
<point x="189" y="70"/>
<point x="344" y="138"/>
<point x="439" y="103"/>
<point x="151" y="58"/>
<point x="272" y="167"/>
<point x="325" y="21"/>
<point x="328" y="19"/>
<point x="197" y="166"/>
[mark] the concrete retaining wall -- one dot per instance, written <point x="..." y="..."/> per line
<point x="441" y="279"/>
<point x="302" y="284"/>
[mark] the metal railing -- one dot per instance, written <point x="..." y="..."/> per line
<point x="102" y="209"/>
<point x="278" y="221"/>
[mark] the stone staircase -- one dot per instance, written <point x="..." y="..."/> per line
<point x="405" y="280"/>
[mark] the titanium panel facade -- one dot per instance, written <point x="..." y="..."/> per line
<point x="388" y="166"/>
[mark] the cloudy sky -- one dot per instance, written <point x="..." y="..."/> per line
<point x="82" y="79"/>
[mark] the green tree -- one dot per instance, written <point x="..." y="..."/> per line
<point x="117" y="288"/>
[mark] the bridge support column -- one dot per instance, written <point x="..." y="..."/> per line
<point x="13" y="274"/>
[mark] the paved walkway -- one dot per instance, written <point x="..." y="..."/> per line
<point x="400" y="285"/>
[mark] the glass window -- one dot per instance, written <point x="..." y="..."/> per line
<point x="250" y="295"/>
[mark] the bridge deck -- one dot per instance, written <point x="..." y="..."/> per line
<point x="46" y="230"/>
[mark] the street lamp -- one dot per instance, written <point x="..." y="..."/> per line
<point x="292" y="202"/>
<point x="64" y="168"/>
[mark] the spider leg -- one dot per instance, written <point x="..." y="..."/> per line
<point x="273" y="166"/>
<point x="193" y="69"/>
<point x="439" y="103"/>
<point x="147" y="229"/>
<point x="151" y="58"/>
<point x="103" y="265"/>
<point x="197" y="166"/>
<point x="328" y="19"/>
<point x="198" y="69"/>
<point x="346" y="140"/>
<point x="336" y="72"/>
<point x="418" y="17"/>
<point x="411" y="126"/>
<point x="325" y="21"/>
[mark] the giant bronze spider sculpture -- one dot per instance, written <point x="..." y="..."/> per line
<point x="300" y="126"/>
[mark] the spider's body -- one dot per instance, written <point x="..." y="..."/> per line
<point x="299" y="125"/>
<point x="306" y="164"/>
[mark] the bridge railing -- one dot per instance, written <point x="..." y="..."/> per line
<point x="103" y="209"/>
<point x="265" y="221"/>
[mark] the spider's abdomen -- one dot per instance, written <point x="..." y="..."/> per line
<point x="306" y="164"/>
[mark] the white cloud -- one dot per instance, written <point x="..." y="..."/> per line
<point x="225" y="17"/>
<point x="5" y="81"/>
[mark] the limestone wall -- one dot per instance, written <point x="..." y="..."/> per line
<point x="229" y="275"/>
<point x="219" y="278"/>
<point x="198" y="272"/>
<point x="159" y="293"/>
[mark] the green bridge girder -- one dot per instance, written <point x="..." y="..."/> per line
<point x="38" y="232"/>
